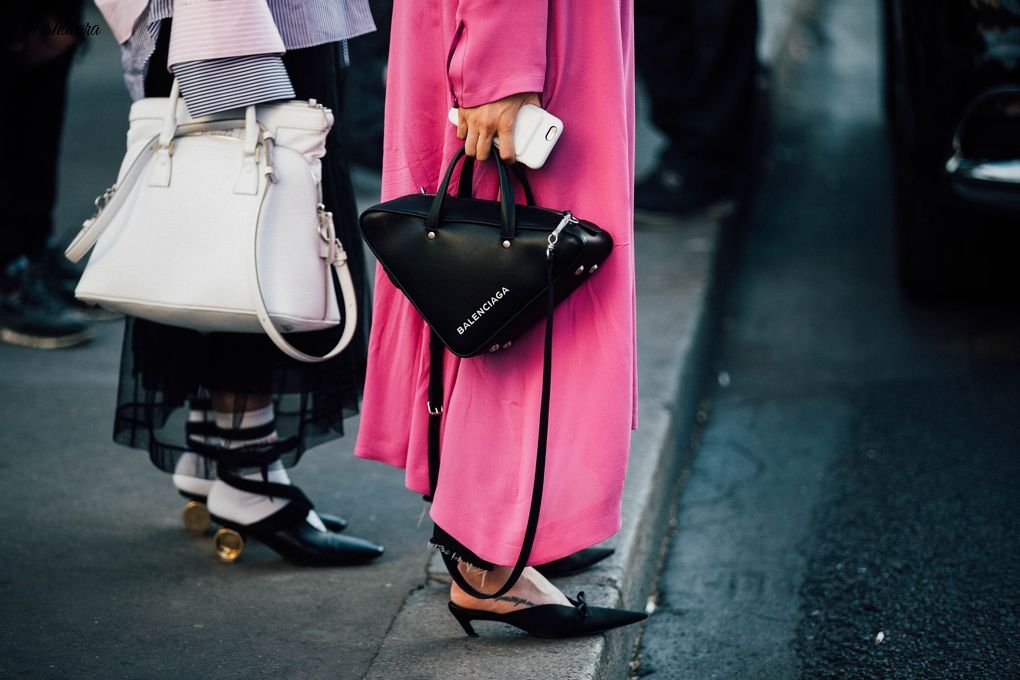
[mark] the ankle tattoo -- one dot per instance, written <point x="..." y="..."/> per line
<point x="520" y="601"/>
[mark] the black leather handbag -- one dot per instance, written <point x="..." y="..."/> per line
<point x="477" y="270"/>
<point x="481" y="273"/>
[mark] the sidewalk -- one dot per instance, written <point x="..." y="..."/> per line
<point x="99" y="580"/>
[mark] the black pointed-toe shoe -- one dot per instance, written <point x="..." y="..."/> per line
<point x="573" y="564"/>
<point x="553" y="620"/>
<point x="288" y="533"/>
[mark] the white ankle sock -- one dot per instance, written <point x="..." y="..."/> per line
<point x="245" y="507"/>
<point x="194" y="474"/>
<point x="190" y="474"/>
<point x="257" y="418"/>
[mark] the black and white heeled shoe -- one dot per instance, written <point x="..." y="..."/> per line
<point x="194" y="477"/>
<point x="288" y="531"/>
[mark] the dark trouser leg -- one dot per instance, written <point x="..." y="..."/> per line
<point x="28" y="178"/>
<point x="28" y="188"/>
<point x="34" y="308"/>
<point x="363" y="111"/>
<point x="698" y="61"/>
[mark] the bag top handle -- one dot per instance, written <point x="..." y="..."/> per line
<point x="517" y="170"/>
<point x="507" y="211"/>
<point x="170" y="123"/>
<point x="166" y="135"/>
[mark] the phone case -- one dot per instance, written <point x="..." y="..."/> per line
<point x="536" y="132"/>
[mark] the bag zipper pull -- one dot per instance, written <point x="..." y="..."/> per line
<point x="269" y="171"/>
<point x="100" y="203"/>
<point x="554" y="237"/>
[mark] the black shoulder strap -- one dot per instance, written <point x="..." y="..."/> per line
<point x="435" y="392"/>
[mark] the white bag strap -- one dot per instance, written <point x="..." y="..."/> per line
<point x="109" y="204"/>
<point x="338" y="258"/>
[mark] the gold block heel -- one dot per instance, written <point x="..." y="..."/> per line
<point x="229" y="544"/>
<point x="196" y="518"/>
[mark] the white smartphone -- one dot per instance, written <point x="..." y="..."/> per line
<point x="536" y="132"/>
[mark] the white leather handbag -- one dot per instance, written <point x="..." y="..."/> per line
<point x="216" y="224"/>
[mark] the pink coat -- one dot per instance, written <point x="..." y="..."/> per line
<point x="579" y="55"/>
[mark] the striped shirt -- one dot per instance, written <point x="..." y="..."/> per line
<point x="305" y="23"/>
<point x="221" y="84"/>
<point x="211" y="85"/>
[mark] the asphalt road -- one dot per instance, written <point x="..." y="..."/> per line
<point x="852" y="503"/>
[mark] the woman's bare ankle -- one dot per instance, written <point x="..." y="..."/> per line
<point x="531" y="590"/>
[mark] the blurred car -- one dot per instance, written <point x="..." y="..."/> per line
<point x="952" y="96"/>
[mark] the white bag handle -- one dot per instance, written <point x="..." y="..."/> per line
<point x="338" y="259"/>
<point x="166" y="135"/>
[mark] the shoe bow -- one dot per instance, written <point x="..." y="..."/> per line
<point x="581" y="605"/>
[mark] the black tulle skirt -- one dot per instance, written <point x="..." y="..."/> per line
<point x="166" y="371"/>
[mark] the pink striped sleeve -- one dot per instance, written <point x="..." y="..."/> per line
<point x="214" y="29"/>
<point x="121" y="15"/>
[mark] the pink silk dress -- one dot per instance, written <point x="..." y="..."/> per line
<point x="579" y="56"/>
